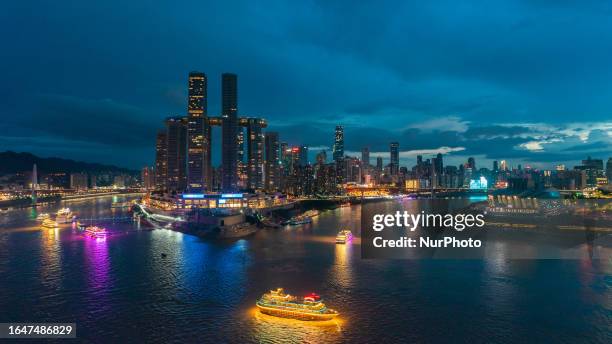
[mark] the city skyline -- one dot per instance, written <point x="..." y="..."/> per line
<point x="494" y="101"/>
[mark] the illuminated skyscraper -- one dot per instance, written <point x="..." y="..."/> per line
<point x="338" y="151"/>
<point x="365" y="156"/>
<point x="272" y="163"/>
<point x="255" y="154"/>
<point x="303" y="155"/>
<point x="229" y="113"/>
<point x="199" y="168"/>
<point x="177" y="153"/>
<point x="161" y="160"/>
<point x="394" y="157"/>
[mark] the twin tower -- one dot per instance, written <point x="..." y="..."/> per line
<point x="199" y="137"/>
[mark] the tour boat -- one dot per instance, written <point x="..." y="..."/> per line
<point x="344" y="236"/>
<point x="309" y="308"/>
<point x="95" y="232"/>
<point x="48" y="223"/>
<point x="42" y="216"/>
<point x="64" y="215"/>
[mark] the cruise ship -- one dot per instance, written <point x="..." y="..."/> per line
<point x="48" y="223"/>
<point x="64" y="215"/>
<point x="344" y="236"/>
<point x="95" y="232"/>
<point x="309" y="308"/>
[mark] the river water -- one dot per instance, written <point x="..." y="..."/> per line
<point x="200" y="291"/>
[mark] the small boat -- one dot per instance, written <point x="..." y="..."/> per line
<point x="299" y="220"/>
<point x="43" y="216"/>
<point x="95" y="232"/>
<point x="344" y="236"/>
<point x="309" y="308"/>
<point x="64" y="215"/>
<point x="48" y="223"/>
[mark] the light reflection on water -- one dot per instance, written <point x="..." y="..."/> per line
<point x="161" y="285"/>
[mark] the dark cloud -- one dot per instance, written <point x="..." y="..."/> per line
<point x="111" y="71"/>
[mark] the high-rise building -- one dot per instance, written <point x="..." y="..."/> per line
<point x="503" y="165"/>
<point x="255" y="154"/>
<point x="272" y="163"/>
<point x="379" y="163"/>
<point x="495" y="166"/>
<point x="303" y="155"/>
<point x="242" y="165"/>
<point x="199" y="168"/>
<point x="322" y="157"/>
<point x="394" y="158"/>
<point x="229" y="114"/>
<point x="146" y="176"/>
<point x="471" y="163"/>
<point x="365" y="156"/>
<point x="338" y="149"/>
<point x="177" y="129"/>
<point x="609" y="170"/>
<point x="78" y="181"/>
<point x="161" y="160"/>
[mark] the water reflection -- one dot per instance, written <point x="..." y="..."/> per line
<point x="51" y="263"/>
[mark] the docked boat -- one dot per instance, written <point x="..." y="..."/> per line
<point x="309" y="308"/>
<point x="64" y="215"/>
<point x="344" y="236"/>
<point x="95" y="232"/>
<point x="299" y="220"/>
<point x="48" y="223"/>
<point x="42" y="216"/>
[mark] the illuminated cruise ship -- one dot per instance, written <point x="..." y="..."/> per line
<point x="310" y="308"/>
<point x="48" y="223"/>
<point x="95" y="232"/>
<point x="344" y="236"/>
<point x="64" y="215"/>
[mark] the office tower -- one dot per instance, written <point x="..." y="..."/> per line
<point x="161" y="160"/>
<point x="229" y="114"/>
<point x="394" y="155"/>
<point x="303" y="155"/>
<point x="365" y="156"/>
<point x="609" y="170"/>
<point x="438" y="164"/>
<point x="472" y="163"/>
<point x="199" y="154"/>
<point x="177" y="132"/>
<point x="255" y="154"/>
<point x="495" y="166"/>
<point x="272" y="162"/>
<point x="379" y="163"/>
<point x="593" y="168"/>
<point x="338" y="149"/>
<point x="242" y="165"/>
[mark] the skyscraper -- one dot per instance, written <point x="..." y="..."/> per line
<point x="303" y="155"/>
<point x="394" y="155"/>
<point x="338" y="149"/>
<point x="177" y="128"/>
<point x="161" y="160"/>
<point x="255" y="154"/>
<point x="379" y="163"/>
<point x="609" y="170"/>
<point x="365" y="156"/>
<point x="472" y="163"/>
<point x="272" y="163"/>
<point x="495" y="166"/>
<point x="229" y="114"/>
<point x="199" y="156"/>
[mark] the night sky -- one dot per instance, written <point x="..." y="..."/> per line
<point x="525" y="81"/>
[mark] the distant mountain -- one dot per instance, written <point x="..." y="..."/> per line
<point x="12" y="162"/>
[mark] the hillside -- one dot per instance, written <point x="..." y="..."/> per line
<point x="12" y="162"/>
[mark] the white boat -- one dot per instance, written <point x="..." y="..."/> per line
<point x="42" y="216"/>
<point x="48" y="223"/>
<point x="64" y="215"/>
<point x="344" y="236"/>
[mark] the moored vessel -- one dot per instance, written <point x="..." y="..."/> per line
<point x="42" y="216"/>
<point x="310" y="308"/>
